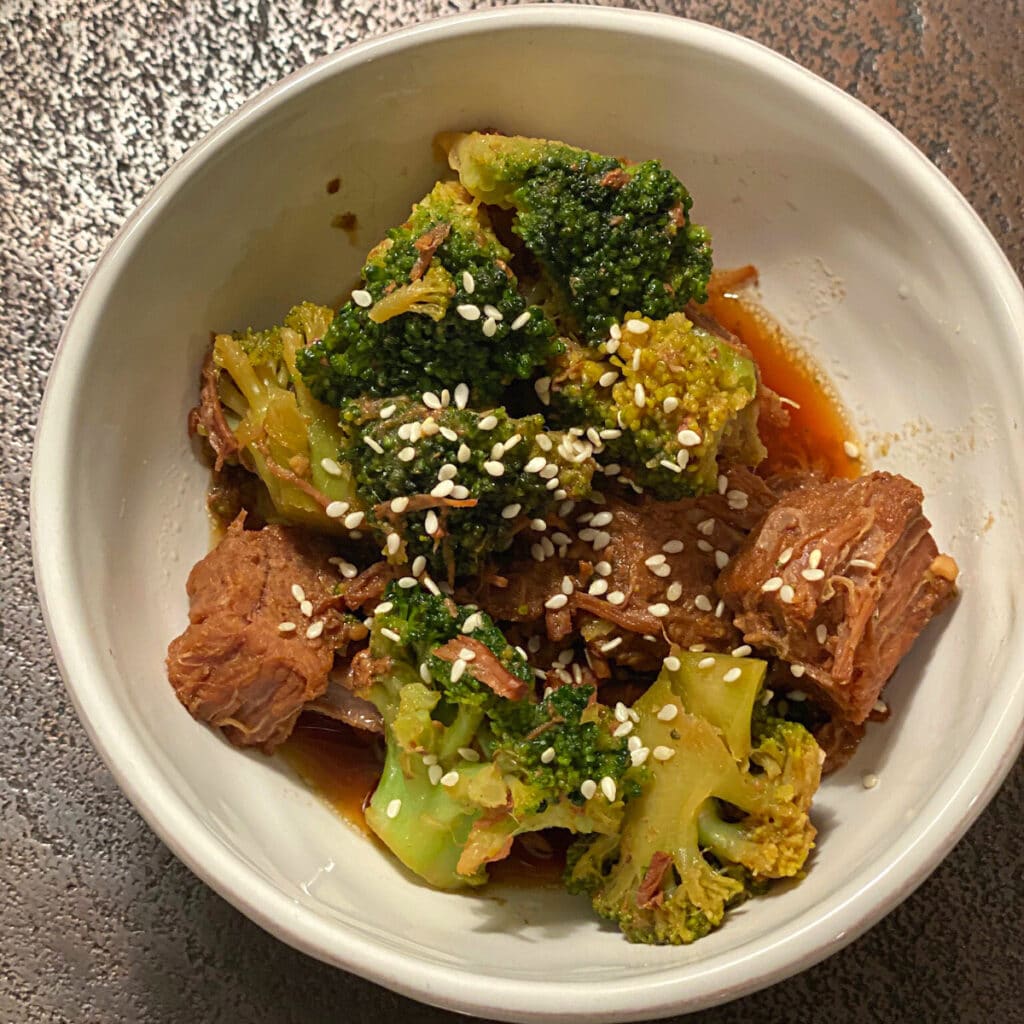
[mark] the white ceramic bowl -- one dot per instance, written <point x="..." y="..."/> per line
<point x="863" y="246"/>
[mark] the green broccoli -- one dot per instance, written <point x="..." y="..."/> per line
<point x="466" y="767"/>
<point x="283" y="434"/>
<point x="453" y="485"/>
<point x="710" y="828"/>
<point x="613" y="237"/>
<point x="439" y="306"/>
<point x="667" y="399"/>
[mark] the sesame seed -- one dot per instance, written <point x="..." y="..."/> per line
<point x="588" y="788"/>
<point x="513" y="441"/>
<point x="306" y="607"/>
<point x="638" y="756"/>
<point x="813" y="575"/>
<point x="736" y="495"/>
<point x="668" y="712"/>
<point x="880" y="706"/>
<point x="458" y="667"/>
<point x="723" y="483"/>
<point x="434" y="773"/>
<point x="407" y="454"/>
<point x="601" y="519"/>
<point x="548" y="755"/>
<point x="851" y="450"/>
<point x="637" y="326"/>
<point x="797" y="670"/>
<point x="797" y="696"/>
<point x="286" y="627"/>
<point x="565" y="656"/>
<point x="544" y="443"/>
<point x="361" y="297"/>
<point x="535" y="465"/>
<point x="549" y="472"/>
<point x="567" y="585"/>
<point x="314" y="629"/>
<point x="543" y="388"/>
<point x="490" y="328"/>
<point x="383" y="608"/>
<point x="862" y="563"/>
<point x="663" y="753"/>
<point x="787" y="594"/>
<point x="608" y="788"/>
<point x="742" y="651"/>
<point x="407" y="582"/>
<point x="659" y="611"/>
<point x="706" y="662"/>
<point x="654" y="560"/>
<point x="616" y="597"/>
<point x="425" y="676"/>
<point x="419" y="565"/>
<point x="821" y="633"/>
<point x="432" y="586"/>
<point x="719" y="608"/>
<point x="473" y="622"/>
<point x="468" y="284"/>
<point x="399" y="505"/>
<point x="698" y="648"/>
<point x="497" y="450"/>
<point x="494" y="468"/>
<point x="706" y="527"/>
<point x="449" y="779"/>
<point x="721" y="559"/>
<point x="447" y="472"/>
<point x="606" y="380"/>
<point x="537" y="552"/>
<point x="672" y="547"/>
<point x="603" y="568"/>
<point x="556" y="601"/>
<point x="690" y="438"/>
<point x="671" y="466"/>
<point x="814" y="559"/>
<point x="353" y="519"/>
<point x="616" y="332"/>
<point x="391" y="635"/>
<point x="511" y="511"/>
<point x="430" y="400"/>
<point x="702" y="602"/>
<point x="336" y="509"/>
<point x="674" y="592"/>
<point x="464" y="454"/>
<point x="670" y="404"/>
<point x="639" y="395"/>
<point x="785" y="557"/>
<point x="442" y="489"/>
<point x="623" y="729"/>
<point x="394" y="808"/>
<point x="493" y="312"/>
<point x="731" y="675"/>
<point x="298" y="593"/>
<point x="521" y="321"/>
<point x="330" y="467"/>
<point x="489" y="422"/>
<point x="870" y="780"/>
<point x="610" y="645"/>
<point x="771" y="585"/>
<point x="388" y="411"/>
<point x="468" y="311"/>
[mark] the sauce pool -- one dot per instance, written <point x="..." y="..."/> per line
<point x="342" y="765"/>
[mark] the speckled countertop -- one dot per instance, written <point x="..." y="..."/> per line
<point x="98" y="922"/>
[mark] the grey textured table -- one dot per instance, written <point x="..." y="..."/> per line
<point x="98" y="922"/>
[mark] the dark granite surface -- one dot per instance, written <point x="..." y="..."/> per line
<point x="98" y="922"/>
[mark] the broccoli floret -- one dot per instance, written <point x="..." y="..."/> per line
<point x="613" y="237"/>
<point x="709" y="828"/>
<point x="466" y="768"/>
<point x="439" y="306"/>
<point x="472" y="478"/>
<point x="667" y="397"/>
<point x="284" y="434"/>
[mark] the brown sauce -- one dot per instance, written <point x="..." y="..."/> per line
<point x="342" y="765"/>
<point x="817" y="428"/>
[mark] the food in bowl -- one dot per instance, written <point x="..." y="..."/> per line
<point x="524" y="512"/>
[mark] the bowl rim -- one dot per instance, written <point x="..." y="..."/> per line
<point x="845" y="915"/>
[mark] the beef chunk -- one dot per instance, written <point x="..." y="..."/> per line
<point x="700" y="535"/>
<point x="839" y="578"/>
<point x="233" y="667"/>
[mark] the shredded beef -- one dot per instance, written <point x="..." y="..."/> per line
<point x="208" y="419"/>
<point x="232" y="667"/>
<point x="485" y="667"/>
<point x="882" y="580"/>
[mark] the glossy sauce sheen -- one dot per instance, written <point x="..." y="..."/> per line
<point x="342" y="766"/>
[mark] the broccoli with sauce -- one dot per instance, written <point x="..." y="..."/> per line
<point x="667" y="399"/>
<point x="611" y="236"/>
<point x="453" y="485"/>
<point x="439" y="306"/>
<point x="723" y="812"/>
<point x="465" y="769"/>
<point x="278" y="430"/>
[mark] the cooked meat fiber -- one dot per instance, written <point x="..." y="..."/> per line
<point x="233" y="667"/>
<point x="840" y="577"/>
<point x="655" y="554"/>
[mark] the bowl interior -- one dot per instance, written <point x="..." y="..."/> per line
<point x="863" y="253"/>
